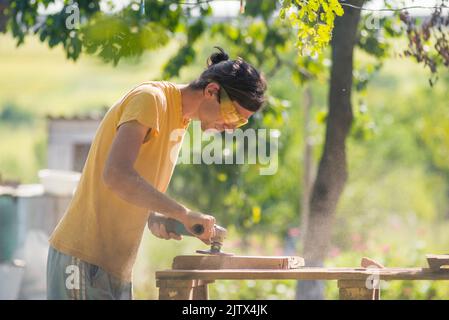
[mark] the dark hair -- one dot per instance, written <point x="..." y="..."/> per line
<point x="241" y="81"/>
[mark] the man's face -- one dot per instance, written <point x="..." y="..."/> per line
<point x="220" y="117"/>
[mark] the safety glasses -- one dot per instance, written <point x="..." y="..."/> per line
<point x="229" y="112"/>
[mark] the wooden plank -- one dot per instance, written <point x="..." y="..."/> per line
<point x="344" y="284"/>
<point x="200" y="293"/>
<point x="358" y="294"/>
<point x="370" y="263"/>
<point x="176" y="293"/>
<point x="307" y="274"/>
<point x="210" y="262"/>
<point x="183" y="289"/>
<point x="181" y="283"/>
<point x="438" y="261"/>
<point x="357" y="290"/>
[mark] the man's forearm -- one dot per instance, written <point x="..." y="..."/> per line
<point x="131" y="187"/>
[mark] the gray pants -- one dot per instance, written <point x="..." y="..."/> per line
<point x="69" y="278"/>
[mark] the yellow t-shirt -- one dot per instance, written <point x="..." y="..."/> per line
<point x="99" y="227"/>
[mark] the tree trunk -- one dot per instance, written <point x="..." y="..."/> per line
<point x="307" y="164"/>
<point x="332" y="173"/>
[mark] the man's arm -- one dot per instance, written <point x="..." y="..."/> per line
<point x="120" y="176"/>
<point x="119" y="173"/>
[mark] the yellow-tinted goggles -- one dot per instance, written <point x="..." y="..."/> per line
<point x="229" y="112"/>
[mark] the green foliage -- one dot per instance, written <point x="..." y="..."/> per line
<point x="395" y="243"/>
<point x="110" y="35"/>
<point x="260" y="37"/>
<point x="374" y="32"/>
<point x="115" y="34"/>
<point x="13" y="115"/>
<point x="40" y="151"/>
<point x="112" y="38"/>
<point x="314" y="21"/>
<point x="185" y="56"/>
<point x="363" y="126"/>
<point x="253" y="290"/>
<point x="24" y="17"/>
<point x="435" y="138"/>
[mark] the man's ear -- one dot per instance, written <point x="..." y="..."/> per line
<point x="211" y="89"/>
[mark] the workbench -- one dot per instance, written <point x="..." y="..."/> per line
<point x="190" y="275"/>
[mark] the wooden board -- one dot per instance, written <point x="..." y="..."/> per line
<point x="438" y="261"/>
<point x="210" y="262"/>
<point x="183" y="289"/>
<point x="306" y="274"/>
<point x="182" y="283"/>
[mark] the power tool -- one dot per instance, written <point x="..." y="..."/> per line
<point x="174" y="226"/>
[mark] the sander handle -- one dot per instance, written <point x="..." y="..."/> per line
<point x="174" y="226"/>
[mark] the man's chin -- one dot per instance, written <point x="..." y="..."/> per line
<point x="206" y="127"/>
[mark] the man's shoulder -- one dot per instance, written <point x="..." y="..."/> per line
<point x="149" y="88"/>
<point x="149" y="94"/>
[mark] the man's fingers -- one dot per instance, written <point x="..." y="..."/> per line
<point x="210" y="228"/>
<point x="155" y="230"/>
<point x="207" y="221"/>
<point x="206" y="241"/>
<point x="175" y="236"/>
<point x="206" y="237"/>
<point x="209" y="231"/>
<point x="159" y="230"/>
<point x="163" y="232"/>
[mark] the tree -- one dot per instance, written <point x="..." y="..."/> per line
<point x="3" y="17"/>
<point x="420" y="37"/>
<point x="82" y="26"/>
<point x="332" y="171"/>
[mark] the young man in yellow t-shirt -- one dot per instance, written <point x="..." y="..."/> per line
<point x="128" y="169"/>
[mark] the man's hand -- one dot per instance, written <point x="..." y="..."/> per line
<point x="156" y="224"/>
<point x="158" y="229"/>
<point x="192" y="218"/>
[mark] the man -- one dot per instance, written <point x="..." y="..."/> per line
<point x="128" y="169"/>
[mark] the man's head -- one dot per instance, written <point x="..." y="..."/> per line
<point x="233" y="91"/>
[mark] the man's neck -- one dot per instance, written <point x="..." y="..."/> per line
<point x="190" y="101"/>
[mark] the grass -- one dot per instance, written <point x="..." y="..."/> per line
<point x="42" y="82"/>
<point x="45" y="82"/>
<point x="18" y="159"/>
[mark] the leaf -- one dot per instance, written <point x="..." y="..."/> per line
<point x="256" y="214"/>
<point x="313" y="37"/>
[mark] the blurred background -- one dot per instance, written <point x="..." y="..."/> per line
<point x="394" y="206"/>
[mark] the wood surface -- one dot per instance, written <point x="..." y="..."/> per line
<point x="307" y="274"/>
<point x="212" y="262"/>
<point x="438" y="261"/>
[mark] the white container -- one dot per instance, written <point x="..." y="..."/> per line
<point x="59" y="182"/>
